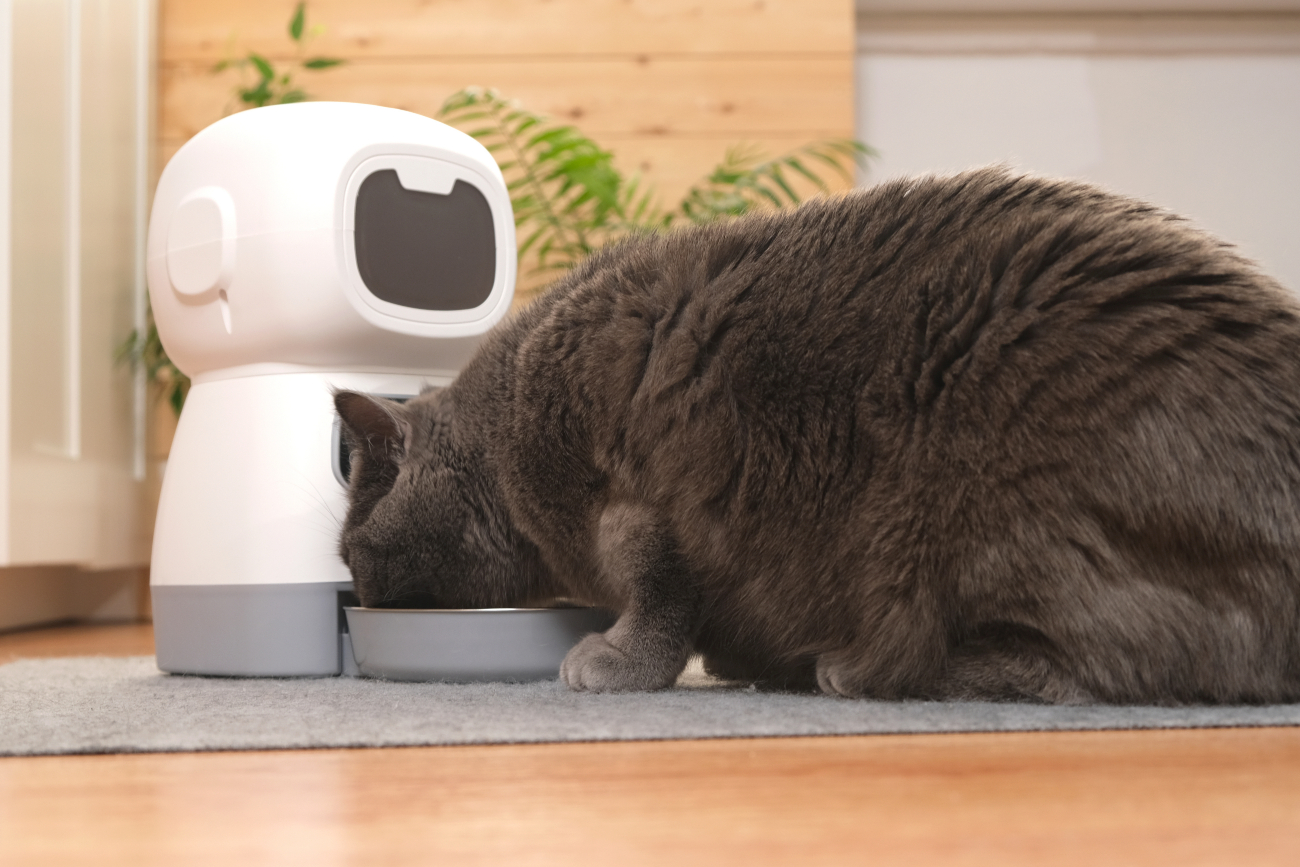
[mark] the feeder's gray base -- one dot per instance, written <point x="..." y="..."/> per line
<point x="249" y="630"/>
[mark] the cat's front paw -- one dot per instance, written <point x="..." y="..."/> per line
<point x="837" y="677"/>
<point x="595" y="665"/>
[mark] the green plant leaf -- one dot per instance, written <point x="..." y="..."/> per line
<point x="322" y="62"/>
<point x="744" y="180"/>
<point x="569" y="197"/>
<point x="146" y="351"/>
<point x="296" y="22"/>
<point x="525" y="124"/>
<point x="263" y="66"/>
<point x="771" y="196"/>
<point x="778" y="178"/>
<point x="290" y="96"/>
<point x="177" y="395"/>
<point x="799" y="168"/>
<point x="256" y="96"/>
<point x="531" y="240"/>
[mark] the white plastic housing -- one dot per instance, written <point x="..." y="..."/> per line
<point x="293" y="250"/>
<point x="250" y="495"/>
<point x="252" y="248"/>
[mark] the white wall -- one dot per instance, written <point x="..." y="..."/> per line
<point x="1199" y="113"/>
<point x="72" y="288"/>
<point x="74" y="133"/>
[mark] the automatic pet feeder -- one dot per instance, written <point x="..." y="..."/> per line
<point x="293" y="250"/>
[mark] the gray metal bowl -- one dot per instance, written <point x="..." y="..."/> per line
<point x="477" y="644"/>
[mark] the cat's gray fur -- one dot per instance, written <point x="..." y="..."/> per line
<point x="983" y="437"/>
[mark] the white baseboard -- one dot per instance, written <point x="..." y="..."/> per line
<point x="33" y="595"/>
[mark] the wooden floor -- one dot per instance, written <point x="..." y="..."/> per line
<point x="1223" y="797"/>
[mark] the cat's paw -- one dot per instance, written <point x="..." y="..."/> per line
<point x="836" y="677"/>
<point x="595" y="665"/>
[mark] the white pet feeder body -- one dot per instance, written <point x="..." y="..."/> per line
<point x="292" y="250"/>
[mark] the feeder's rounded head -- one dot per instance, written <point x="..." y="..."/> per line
<point x="333" y="235"/>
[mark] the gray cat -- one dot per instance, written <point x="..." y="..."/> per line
<point x="973" y="437"/>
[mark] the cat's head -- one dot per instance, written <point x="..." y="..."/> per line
<point x="425" y="527"/>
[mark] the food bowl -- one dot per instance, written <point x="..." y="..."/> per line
<point x="467" y="645"/>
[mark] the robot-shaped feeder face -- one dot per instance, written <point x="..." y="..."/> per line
<point x="331" y="235"/>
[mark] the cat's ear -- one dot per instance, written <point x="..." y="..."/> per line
<point x="382" y="424"/>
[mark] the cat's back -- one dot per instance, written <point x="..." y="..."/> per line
<point x="942" y="321"/>
<point x="901" y="266"/>
<point x="921" y="298"/>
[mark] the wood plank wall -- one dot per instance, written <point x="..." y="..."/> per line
<point x="667" y="85"/>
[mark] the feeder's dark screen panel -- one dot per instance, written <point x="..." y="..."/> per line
<point x="424" y="250"/>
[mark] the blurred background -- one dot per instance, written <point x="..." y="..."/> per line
<point x="1194" y="104"/>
